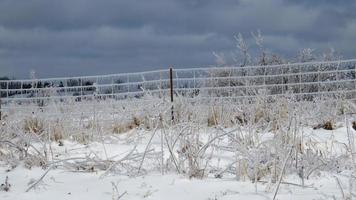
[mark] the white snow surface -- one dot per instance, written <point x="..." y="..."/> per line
<point x="64" y="184"/>
<point x="61" y="184"/>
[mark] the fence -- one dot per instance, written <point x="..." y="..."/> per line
<point x="300" y="80"/>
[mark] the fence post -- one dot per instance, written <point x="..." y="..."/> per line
<point x="171" y="90"/>
<point x="0" y="103"/>
<point x="7" y="96"/>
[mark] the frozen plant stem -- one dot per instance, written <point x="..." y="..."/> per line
<point x="282" y="172"/>
<point x="39" y="180"/>
<point x="162" y="152"/>
<point x="340" y="187"/>
<point x="146" y="149"/>
<point x="351" y="140"/>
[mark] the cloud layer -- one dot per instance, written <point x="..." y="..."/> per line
<point x="82" y="37"/>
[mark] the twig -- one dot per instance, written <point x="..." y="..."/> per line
<point x="119" y="197"/>
<point x="281" y="175"/>
<point x="39" y="180"/>
<point x="203" y="148"/>
<point x="172" y="155"/>
<point x="146" y="149"/>
<point x="289" y="183"/>
<point x="117" y="191"/>
<point x="315" y="168"/>
<point x="340" y="187"/>
<point x="118" y="161"/>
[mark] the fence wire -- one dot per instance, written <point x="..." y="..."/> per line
<point x="299" y="80"/>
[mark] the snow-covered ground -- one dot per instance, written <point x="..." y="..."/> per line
<point x="62" y="184"/>
<point x="66" y="181"/>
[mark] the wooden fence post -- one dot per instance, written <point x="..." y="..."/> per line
<point x="0" y="103"/>
<point x="7" y="96"/>
<point x="171" y="90"/>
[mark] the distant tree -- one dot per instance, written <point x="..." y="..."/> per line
<point x="274" y="75"/>
<point x="3" y="85"/>
<point x="88" y="83"/>
<point x="243" y="49"/>
<point x="5" y="78"/>
<point x="72" y="82"/>
<point x="306" y="55"/>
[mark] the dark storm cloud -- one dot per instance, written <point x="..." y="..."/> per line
<point x="322" y="3"/>
<point x="80" y="37"/>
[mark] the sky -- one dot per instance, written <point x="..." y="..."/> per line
<point x="91" y="37"/>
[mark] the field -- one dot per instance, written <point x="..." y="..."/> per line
<point x="72" y="142"/>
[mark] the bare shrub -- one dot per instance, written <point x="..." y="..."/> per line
<point x="191" y="154"/>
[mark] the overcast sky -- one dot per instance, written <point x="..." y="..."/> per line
<point x="86" y="37"/>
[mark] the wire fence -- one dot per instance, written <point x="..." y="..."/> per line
<point x="299" y="80"/>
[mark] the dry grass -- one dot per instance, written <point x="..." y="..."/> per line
<point x="328" y="126"/>
<point x="124" y="127"/>
<point x="57" y="133"/>
<point x="213" y="119"/>
<point x="354" y="125"/>
<point x="33" y="125"/>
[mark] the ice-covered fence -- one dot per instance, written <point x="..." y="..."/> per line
<point x="118" y="86"/>
<point x="302" y="80"/>
<point x="82" y="95"/>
